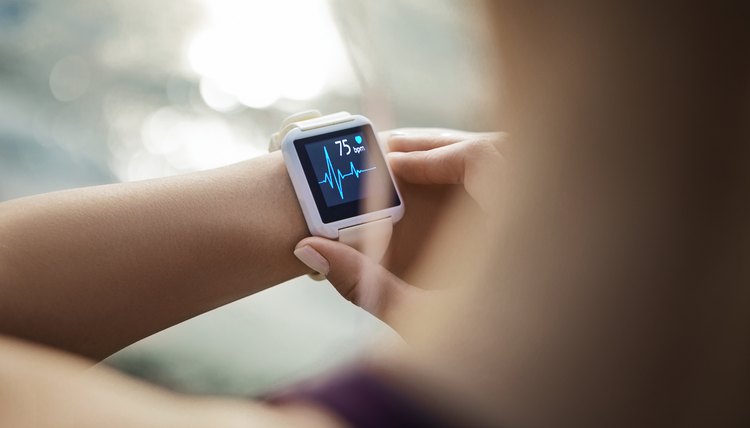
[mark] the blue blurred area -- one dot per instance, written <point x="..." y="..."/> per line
<point x="51" y="168"/>
<point x="13" y="11"/>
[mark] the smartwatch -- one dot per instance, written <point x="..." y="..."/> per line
<point x="343" y="183"/>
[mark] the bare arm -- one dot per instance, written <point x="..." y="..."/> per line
<point x="92" y="270"/>
<point x="42" y="388"/>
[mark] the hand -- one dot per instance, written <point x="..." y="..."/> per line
<point x="422" y="157"/>
<point x="450" y="157"/>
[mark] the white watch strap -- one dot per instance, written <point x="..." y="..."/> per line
<point x="305" y="120"/>
<point x="370" y="238"/>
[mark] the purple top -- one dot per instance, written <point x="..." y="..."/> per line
<point x="362" y="400"/>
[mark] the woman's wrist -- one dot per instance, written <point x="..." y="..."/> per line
<point x="258" y="215"/>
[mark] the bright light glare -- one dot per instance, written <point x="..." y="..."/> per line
<point x="260" y="51"/>
<point x="186" y="142"/>
<point x="216" y="98"/>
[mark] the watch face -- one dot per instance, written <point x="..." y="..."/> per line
<point x="346" y="173"/>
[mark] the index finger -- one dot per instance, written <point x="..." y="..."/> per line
<point x="423" y="142"/>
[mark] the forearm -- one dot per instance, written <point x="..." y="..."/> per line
<point x="43" y="388"/>
<point x="93" y="270"/>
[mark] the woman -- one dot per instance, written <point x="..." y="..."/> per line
<point x="606" y="284"/>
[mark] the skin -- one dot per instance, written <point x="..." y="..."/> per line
<point x="42" y="388"/>
<point x="616" y="293"/>
<point x="83" y="267"/>
<point x="614" y="288"/>
<point x="424" y="157"/>
<point x="93" y="270"/>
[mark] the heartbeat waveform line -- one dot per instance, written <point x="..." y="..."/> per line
<point x="334" y="177"/>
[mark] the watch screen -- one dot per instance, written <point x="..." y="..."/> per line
<point x="346" y="173"/>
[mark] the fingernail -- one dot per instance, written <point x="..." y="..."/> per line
<point x="312" y="259"/>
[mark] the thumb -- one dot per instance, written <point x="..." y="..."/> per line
<point x="355" y="276"/>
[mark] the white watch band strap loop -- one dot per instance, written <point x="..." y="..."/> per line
<point x="305" y="121"/>
<point x="370" y="238"/>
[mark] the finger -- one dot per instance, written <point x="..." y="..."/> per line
<point x="420" y="139"/>
<point x="443" y="165"/>
<point x="421" y="142"/>
<point x="355" y="276"/>
<point x="421" y="132"/>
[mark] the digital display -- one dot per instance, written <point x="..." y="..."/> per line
<point x="346" y="173"/>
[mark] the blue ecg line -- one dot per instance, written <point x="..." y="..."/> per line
<point x="334" y="176"/>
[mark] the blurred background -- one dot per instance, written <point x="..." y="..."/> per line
<point x="95" y="92"/>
